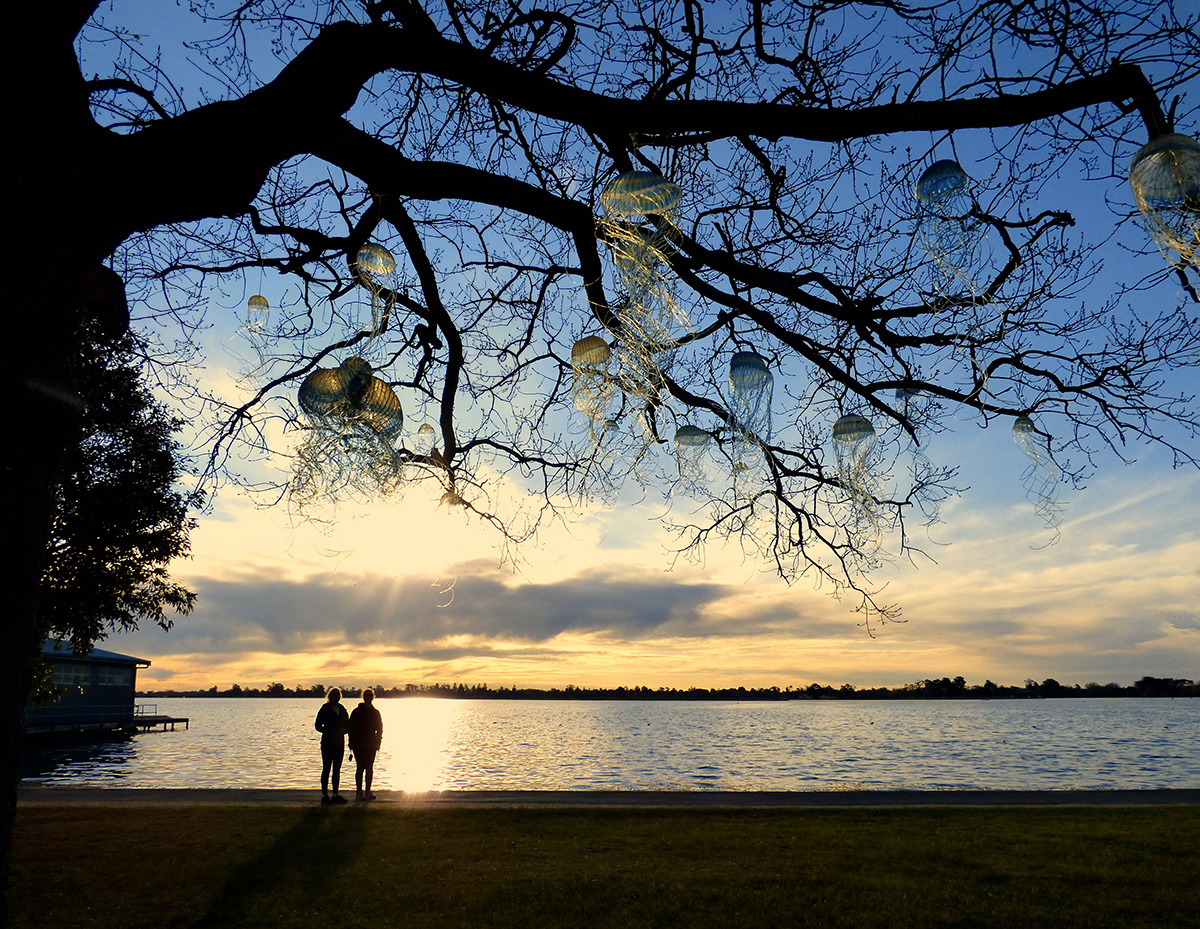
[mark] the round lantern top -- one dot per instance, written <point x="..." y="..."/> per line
<point x="375" y="260"/>
<point x="1166" y="170"/>
<point x="691" y="436"/>
<point x="851" y="428"/>
<point x="940" y="180"/>
<point x="638" y="192"/>
<point x="590" y="349"/>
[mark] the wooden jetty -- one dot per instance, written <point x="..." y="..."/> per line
<point x="100" y="720"/>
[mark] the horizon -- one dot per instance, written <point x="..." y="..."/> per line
<point x="441" y="687"/>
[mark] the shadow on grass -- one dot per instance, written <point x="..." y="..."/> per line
<point x="303" y="864"/>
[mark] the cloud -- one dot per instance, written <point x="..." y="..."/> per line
<point x="483" y="602"/>
<point x="1181" y="619"/>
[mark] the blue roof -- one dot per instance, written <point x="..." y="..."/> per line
<point x="59" y="649"/>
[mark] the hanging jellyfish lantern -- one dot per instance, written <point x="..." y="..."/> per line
<point x="377" y="272"/>
<point x="257" y="310"/>
<point x="255" y="326"/>
<point x="591" y="384"/>
<point x="640" y="213"/>
<point x="350" y="396"/>
<point x="1041" y="476"/>
<point x="854" y="442"/>
<point x="750" y="385"/>
<point x="953" y="240"/>
<point x="1165" y="177"/>
<point x="379" y="410"/>
<point x="750" y="388"/>
<point x="354" y="418"/>
<point x="691" y="447"/>
<point x="321" y="391"/>
<point x="635" y="196"/>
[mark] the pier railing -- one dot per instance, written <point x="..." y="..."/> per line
<point x="100" y="717"/>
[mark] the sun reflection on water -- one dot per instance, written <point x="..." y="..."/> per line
<point x="417" y="737"/>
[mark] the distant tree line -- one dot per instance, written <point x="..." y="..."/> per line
<point x="930" y="689"/>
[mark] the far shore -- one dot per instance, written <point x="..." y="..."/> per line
<point x="33" y="795"/>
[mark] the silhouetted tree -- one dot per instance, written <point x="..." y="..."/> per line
<point x="120" y="514"/>
<point x="474" y="140"/>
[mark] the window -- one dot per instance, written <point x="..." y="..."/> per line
<point x="70" y="675"/>
<point x="113" y="676"/>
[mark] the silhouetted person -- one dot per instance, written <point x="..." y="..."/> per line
<point x="333" y="723"/>
<point x="366" y="734"/>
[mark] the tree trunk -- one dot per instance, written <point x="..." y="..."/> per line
<point x="43" y="408"/>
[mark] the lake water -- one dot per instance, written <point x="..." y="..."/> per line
<point x="432" y="744"/>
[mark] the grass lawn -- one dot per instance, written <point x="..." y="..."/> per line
<point x="312" y="867"/>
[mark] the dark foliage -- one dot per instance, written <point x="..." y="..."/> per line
<point x="942" y="689"/>
<point x="121" y="516"/>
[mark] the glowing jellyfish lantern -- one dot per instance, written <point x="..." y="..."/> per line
<point x="750" y="386"/>
<point x="591" y="385"/>
<point x="377" y="272"/>
<point x="1041" y="476"/>
<point x="636" y="195"/>
<point x="953" y="240"/>
<point x="350" y="397"/>
<point x="691" y="447"/>
<point x="1165" y="176"/>
<point x="354" y="418"/>
<point x="257" y="308"/>
<point x="380" y="411"/>
<point x="255" y="326"/>
<point x="641" y="211"/>
<point x="854" y="445"/>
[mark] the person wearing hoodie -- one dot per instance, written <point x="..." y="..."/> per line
<point x="366" y="735"/>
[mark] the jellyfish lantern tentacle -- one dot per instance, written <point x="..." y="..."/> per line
<point x="854" y="443"/>
<point x="591" y="386"/>
<point x="922" y="467"/>
<point x="604" y="467"/>
<point x="691" y="449"/>
<point x="640" y="213"/>
<point x="952" y="238"/>
<point x="1041" y="476"/>
<point x="376" y="268"/>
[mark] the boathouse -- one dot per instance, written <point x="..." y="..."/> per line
<point x="96" y="691"/>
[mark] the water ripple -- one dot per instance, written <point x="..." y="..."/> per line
<point x="429" y="744"/>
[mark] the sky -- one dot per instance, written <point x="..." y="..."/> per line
<point x="406" y="591"/>
<point x="410" y="592"/>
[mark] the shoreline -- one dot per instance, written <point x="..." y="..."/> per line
<point x="686" y="799"/>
